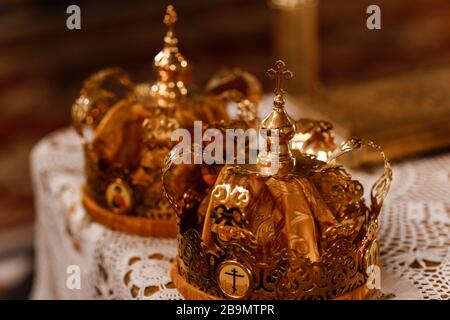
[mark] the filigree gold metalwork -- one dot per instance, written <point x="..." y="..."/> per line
<point x="314" y="137"/>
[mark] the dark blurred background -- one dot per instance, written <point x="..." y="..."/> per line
<point x="42" y="66"/>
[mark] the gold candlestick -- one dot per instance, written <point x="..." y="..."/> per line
<point x="296" y="41"/>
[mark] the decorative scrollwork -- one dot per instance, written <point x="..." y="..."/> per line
<point x="231" y="197"/>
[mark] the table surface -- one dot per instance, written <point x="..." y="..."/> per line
<point x="414" y="234"/>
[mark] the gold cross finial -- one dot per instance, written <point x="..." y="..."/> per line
<point x="170" y="17"/>
<point x="279" y="72"/>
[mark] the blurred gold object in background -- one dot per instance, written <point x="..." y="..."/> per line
<point x="296" y="40"/>
<point x="390" y="85"/>
<point x="408" y="114"/>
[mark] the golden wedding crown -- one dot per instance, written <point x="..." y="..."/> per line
<point x="302" y="232"/>
<point x="126" y="132"/>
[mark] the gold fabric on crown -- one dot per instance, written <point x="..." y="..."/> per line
<point x="303" y="231"/>
<point x="126" y="132"/>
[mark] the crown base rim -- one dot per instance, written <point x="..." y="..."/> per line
<point x="190" y="292"/>
<point x="128" y="224"/>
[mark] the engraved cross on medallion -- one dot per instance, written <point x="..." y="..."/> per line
<point x="234" y="274"/>
<point x="279" y="72"/>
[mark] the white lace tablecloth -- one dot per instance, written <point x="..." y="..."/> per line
<point x="415" y="234"/>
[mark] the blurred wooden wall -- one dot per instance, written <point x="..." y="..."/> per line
<point x="415" y="33"/>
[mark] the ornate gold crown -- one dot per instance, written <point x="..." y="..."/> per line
<point x="126" y="133"/>
<point x="302" y="232"/>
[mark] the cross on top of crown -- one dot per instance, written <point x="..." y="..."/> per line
<point x="170" y="17"/>
<point x="279" y="72"/>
